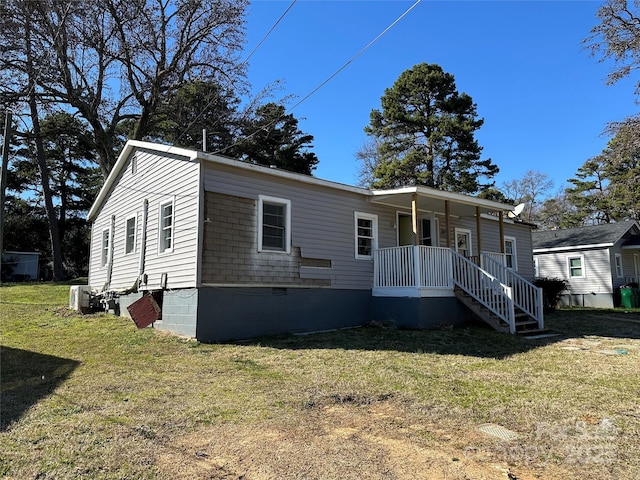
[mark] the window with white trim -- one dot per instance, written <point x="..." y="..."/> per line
<point x="274" y="230"/>
<point x="510" y="253"/>
<point x="536" y="267"/>
<point x="167" y="227"/>
<point x="619" y="270"/>
<point x="463" y="242"/>
<point x="366" y="234"/>
<point x="130" y="235"/>
<point x="576" y="266"/>
<point x="106" y="247"/>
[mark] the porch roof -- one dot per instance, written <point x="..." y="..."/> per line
<point x="433" y="200"/>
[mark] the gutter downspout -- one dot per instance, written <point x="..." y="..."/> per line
<point x="112" y="232"/>
<point x="143" y="240"/>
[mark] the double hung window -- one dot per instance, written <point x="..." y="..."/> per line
<point x="366" y="233"/>
<point x="167" y="227"/>
<point x="274" y="233"/>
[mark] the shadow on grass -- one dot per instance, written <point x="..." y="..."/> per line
<point x="26" y="377"/>
<point x="475" y="339"/>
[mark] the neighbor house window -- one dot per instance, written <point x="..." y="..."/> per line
<point x="619" y="271"/>
<point x="366" y="234"/>
<point x="167" y="229"/>
<point x="576" y="266"/>
<point x="104" y="255"/>
<point x="510" y="253"/>
<point x="274" y="232"/>
<point x="536" y="267"/>
<point x="130" y="235"/>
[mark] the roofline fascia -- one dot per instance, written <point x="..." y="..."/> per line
<point x="445" y="195"/>
<point x="575" y="247"/>
<point x="122" y="158"/>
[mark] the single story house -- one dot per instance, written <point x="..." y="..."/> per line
<point x="218" y="249"/>
<point x="20" y="266"/>
<point x="594" y="260"/>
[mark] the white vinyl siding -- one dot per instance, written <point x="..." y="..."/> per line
<point x="274" y="217"/>
<point x="130" y="235"/>
<point x="366" y="233"/>
<point x="159" y="178"/>
<point x="575" y="265"/>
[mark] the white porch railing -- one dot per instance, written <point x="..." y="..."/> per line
<point x="501" y="258"/>
<point x="526" y="296"/>
<point x="484" y="288"/>
<point x="412" y="266"/>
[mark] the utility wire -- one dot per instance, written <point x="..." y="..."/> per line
<point x="244" y="62"/>
<point x="331" y="77"/>
<point x="334" y="74"/>
<point x="269" y="32"/>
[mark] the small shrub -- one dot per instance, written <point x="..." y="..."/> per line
<point x="552" y="288"/>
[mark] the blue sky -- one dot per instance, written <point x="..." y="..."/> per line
<point x="542" y="96"/>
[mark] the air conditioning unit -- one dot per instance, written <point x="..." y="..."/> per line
<point x="79" y="297"/>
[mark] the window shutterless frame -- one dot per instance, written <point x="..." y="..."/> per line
<point x="130" y="234"/>
<point x="510" y="252"/>
<point x="366" y="235"/>
<point x="105" y="247"/>
<point x="274" y="224"/>
<point x="575" y="266"/>
<point x="166" y="226"/>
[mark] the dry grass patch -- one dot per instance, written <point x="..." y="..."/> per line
<point x="92" y="397"/>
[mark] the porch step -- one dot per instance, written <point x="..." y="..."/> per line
<point x="481" y="311"/>
<point x="525" y="324"/>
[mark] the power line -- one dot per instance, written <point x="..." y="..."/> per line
<point x="331" y="77"/>
<point x="244" y="62"/>
<point x="269" y="32"/>
<point x="334" y="74"/>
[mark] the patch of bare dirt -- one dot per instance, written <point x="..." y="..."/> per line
<point x="337" y="441"/>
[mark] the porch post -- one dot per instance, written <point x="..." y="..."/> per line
<point x="414" y="218"/>
<point x="501" y="222"/>
<point x="447" y="222"/>
<point x="479" y="233"/>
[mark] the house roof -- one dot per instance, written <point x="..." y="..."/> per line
<point x="430" y="198"/>
<point x="593" y="236"/>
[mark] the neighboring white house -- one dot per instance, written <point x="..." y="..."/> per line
<point x="594" y="260"/>
<point x="232" y="250"/>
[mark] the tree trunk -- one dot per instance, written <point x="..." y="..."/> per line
<point x="54" y="234"/>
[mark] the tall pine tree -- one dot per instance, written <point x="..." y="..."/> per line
<point x="425" y="134"/>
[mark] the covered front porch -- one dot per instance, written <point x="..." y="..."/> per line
<point x="438" y="261"/>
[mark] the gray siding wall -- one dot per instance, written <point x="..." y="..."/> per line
<point x="230" y="252"/>
<point x="322" y="221"/>
<point x="597" y="270"/>
<point x="158" y="178"/>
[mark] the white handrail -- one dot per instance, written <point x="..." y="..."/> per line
<point x="526" y="296"/>
<point x="484" y="288"/>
